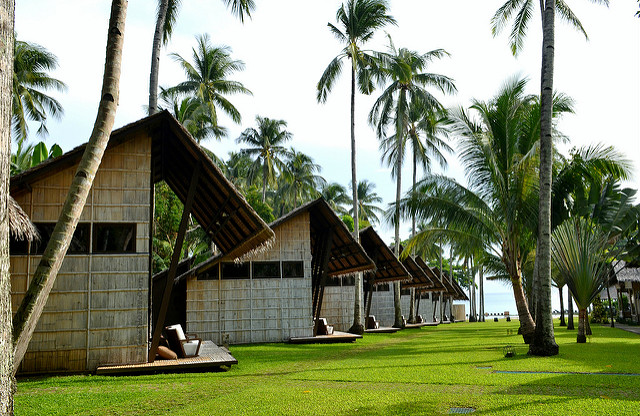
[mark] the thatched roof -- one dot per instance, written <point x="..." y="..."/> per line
<point x="435" y="279"/>
<point x="419" y="278"/>
<point x="347" y="256"/>
<point x="625" y="273"/>
<point x="388" y="267"/>
<point x="20" y="225"/>
<point x="219" y="208"/>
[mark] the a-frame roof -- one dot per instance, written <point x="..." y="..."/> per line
<point x="419" y="278"/>
<point x="347" y="256"/>
<point x="435" y="279"/>
<point x="388" y="267"/>
<point x="219" y="208"/>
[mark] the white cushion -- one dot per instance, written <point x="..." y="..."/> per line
<point x="190" y="347"/>
<point x="179" y="332"/>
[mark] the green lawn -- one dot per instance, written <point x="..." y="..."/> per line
<point x="417" y="371"/>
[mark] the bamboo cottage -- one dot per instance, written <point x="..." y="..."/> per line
<point x="339" y="295"/>
<point x="276" y="294"/>
<point x="99" y="309"/>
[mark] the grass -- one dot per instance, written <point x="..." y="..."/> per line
<point x="418" y="371"/>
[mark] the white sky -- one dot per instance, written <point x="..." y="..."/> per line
<point x="287" y="45"/>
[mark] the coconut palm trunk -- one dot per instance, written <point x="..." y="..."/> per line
<point x="570" y="323"/>
<point x="543" y="342"/>
<point x="26" y="318"/>
<point x="562" y="321"/>
<point x="7" y="11"/>
<point x="358" y="318"/>
<point x="397" y="306"/>
<point x="163" y="6"/>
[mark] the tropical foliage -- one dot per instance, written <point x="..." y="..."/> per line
<point x="208" y="82"/>
<point x="31" y="79"/>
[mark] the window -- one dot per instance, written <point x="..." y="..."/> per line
<point x="292" y="269"/>
<point x="114" y="238"/>
<point x="266" y="269"/>
<point x="79" y="241"/>
<point x="405" y="292"/>
<point x="235" y="270"/>
<point x="384" y="287"/>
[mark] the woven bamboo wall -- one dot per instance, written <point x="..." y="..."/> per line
<point x="382" y="307"/>
<point x="97" y="311"/>
<point x="337" y="306"/>
<point x="257" y="310"/>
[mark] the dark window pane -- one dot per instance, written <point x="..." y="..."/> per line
<point x="405" y="292"/>
<point x="266" y="269"/>
<point x="18" y="247"/>
<point x="79" y="242"/>
<point x="292" y="269"/>
<point x="341" y="281"/>
<point x="114" y="238"/>
<point x="235" y="271"/>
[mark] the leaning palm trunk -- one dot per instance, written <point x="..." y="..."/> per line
<point x="27" y="316"/>
<point x="544" y="343"/>
<point x="155" y="56"/>
<point x="7" y="9"/>
<point x="358" y="319"/>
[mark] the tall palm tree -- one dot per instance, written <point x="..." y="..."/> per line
<point x="267" y="150"/>
<point x="521" y="12"/>
<point x="301" y="179"/>
<point x="359" y="20"/>
<point x="166" y="18"/>
<point x="499" y="155"/>
<point x="33" y="303"/>
<point x="207" y="80"/>
<point x="407" y="91"/>
<point x="336" y="196"/>
<point x="367" y="200"/>
<point x="31" y="66"/>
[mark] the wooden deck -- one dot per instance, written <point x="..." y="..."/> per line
<point x="336" y="337"/>
<point x="420" y="325"/>
<point x="211" y="356"/>
<point x="383" y="330"/>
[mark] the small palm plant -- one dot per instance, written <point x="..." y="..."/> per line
<point x="578" y="249"/>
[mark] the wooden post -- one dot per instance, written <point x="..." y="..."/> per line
<point x="175" y="258"/>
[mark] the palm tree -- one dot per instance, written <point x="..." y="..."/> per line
<point x="544" y="342"/>
<point x="266" y="148"/>
<point x="367" y="200"/>
<point x="207" y="80"/>
<point x="499" y="155"/>
<point x="336" y="196"/>
<point x="31" y="65"/>
<point x="359" y="20"/>
<point x="406" y="92"/>
<point x="28" y="313"/>
<point x="166" y="19"/>
<point x="193" y="114"/>
<point x="301" y="179"/>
